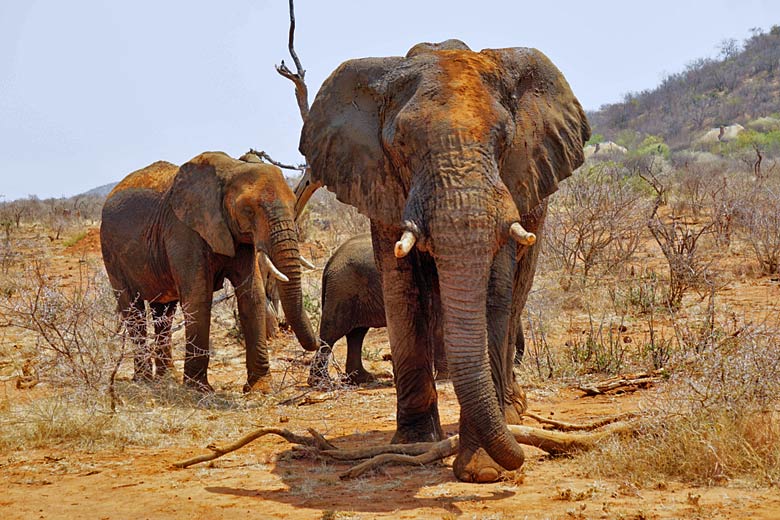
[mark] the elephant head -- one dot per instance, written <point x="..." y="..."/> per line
<point x="449" y="147"/>
<point x="230" y="202"/>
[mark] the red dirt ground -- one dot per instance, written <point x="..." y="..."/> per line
<point x="267" y="479"/>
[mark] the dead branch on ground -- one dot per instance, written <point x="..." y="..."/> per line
<point x="627" y="383"/>
<point x="564" y="426"/>
<point x="552" y="442"/>
<point x="316" y="441"/>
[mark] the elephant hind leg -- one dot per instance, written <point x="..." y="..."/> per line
<point x="356" y="373"/>
<point x="162" y="315"/>
<point x="134" y="316"/>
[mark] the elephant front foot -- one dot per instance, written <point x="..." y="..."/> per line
<point x="476" y="466"/>
<point x="319" y="377"/>
<point x="165" y="371"/>
<point x="262" y="385"/>
<point x="359" y="377"/>
<point x="422" y="427"/>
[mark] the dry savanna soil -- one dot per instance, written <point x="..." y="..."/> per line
<point x="95" y="478"/>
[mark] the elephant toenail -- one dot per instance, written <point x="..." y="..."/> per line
<point x="487" y="475"/>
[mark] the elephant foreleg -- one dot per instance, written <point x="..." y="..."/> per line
<point x="250" y="296"/>
<point x="519" y="344"/>
<point x="523" y="280"/>
<point x="407" y="304"/>
<point x="440" y="364"/>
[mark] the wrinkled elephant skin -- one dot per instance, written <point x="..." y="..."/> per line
<point x="451" y="154"/>
<point x="172" y="235"/>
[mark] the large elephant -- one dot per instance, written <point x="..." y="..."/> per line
<point x="352" y="303"/>
<point x="453" y="151"/>
<point x="173" y="235"/>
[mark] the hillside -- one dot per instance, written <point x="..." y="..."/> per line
<point x="741" y="85"/>
<point x="100" y="191"/>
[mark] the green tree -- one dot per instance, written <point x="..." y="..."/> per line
<point x="653" y="145"/>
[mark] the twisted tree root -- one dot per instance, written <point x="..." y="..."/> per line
<point x="552" y="442"/>
<point x="316" y="441"/>
<point x="421" y="453"/>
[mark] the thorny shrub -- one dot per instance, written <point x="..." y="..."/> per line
<point x="78" y="343"/>
<point x="761" y="227"/>
<point x="718" y="418"/>
<point x="330" y="222"/>
<point x="595" y="222"/>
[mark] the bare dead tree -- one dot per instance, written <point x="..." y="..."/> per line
<point x="305" y="189"/>
<point x="301" y="91"/>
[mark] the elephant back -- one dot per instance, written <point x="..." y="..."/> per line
<point x="351" y="290"/>
<point x="156" y="177"/>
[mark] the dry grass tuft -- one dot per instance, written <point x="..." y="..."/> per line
<point x="716" y="420"/>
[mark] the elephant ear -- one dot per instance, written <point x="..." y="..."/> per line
<point x="196" y="198"/>
<point x="341" y="140"/>
<point x="550" y="126"/>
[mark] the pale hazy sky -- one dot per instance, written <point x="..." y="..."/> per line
<point x="91" y="90"/>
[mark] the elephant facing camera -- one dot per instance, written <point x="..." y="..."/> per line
<point x="451" y="154"/>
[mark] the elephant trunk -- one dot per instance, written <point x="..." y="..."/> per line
<point x="465" y="221"/>
<point x="286" y="255"/>
<point x="463" y="280"/>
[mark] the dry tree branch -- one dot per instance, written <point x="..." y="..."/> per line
<point x="552" y="442"/>
<point x="436" y="451"/>
<point x="264" y="155"/>
<point x="625" y="383"/>
<point x="564" y="426"/>
<point x="305" y="188"/>
<point x="316" y="441"/>
<point x="301" y="90"/>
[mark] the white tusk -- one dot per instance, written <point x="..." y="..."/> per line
<point x="275" y="270"/>
<point x="307" y="264"/>
<point x="403" y="246"/>
<point x="522" y="236"/>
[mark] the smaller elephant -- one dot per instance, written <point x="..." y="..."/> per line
<point x="351" y="304"/>
<point x="173" y="235"/>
